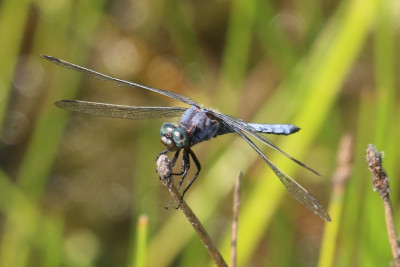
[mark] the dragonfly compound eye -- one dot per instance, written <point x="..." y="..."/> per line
<point x="173" y="137"/>
<point x="180" y="137"/>
<point x="167" y="128"/>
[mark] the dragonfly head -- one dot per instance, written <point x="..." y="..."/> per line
<point x="173" y="137"/>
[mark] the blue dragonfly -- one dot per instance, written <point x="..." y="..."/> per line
<point x="197" y="124"/>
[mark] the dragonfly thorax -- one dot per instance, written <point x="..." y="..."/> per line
<point x="173" y="137"/>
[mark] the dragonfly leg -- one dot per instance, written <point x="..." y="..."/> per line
<point x="175" y="158"/>
<point x="185" y="167"/>
<point x="184" y="170"/>
<point x="198" y="166"/>
<point x="169" y="204"/>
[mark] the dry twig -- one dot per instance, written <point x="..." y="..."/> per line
<point x="339" y="181"/>
<point x="344" y="164"/>
<point x="164" y="170"/>
<point x="236" y="202"/>
<point x="380" y="183"/>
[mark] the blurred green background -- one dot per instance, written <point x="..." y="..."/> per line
<point x="73" y="187"/>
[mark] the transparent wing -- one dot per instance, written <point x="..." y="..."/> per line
<point x="120" y="111"/>
<point x="117" y="81"/>
<point x="232" y="122"/>
<point x="295" y="189"/>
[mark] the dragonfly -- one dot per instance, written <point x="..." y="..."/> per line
<point x="196" y="124"/>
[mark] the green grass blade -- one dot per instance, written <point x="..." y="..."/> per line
<point x="19" y="226"/>
<point x="236" y="51"/>
<point x="141" y="244"/>
<point x="15" y="14"/>
<point x="52" y="241"/>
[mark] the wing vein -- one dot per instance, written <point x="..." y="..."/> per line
<point x="294" y="188"/>
<point x="120" y="111"/>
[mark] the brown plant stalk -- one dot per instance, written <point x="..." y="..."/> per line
<point x="164" y="170"/>
<point x="235" y="217"/>
<point x="380" y="183"/>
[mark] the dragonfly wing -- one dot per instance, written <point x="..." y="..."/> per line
<point x="120" y="111"/>
<point x="249" y="129"/>
<point x="117" y="81"/>
<point x="295" y="189"/>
